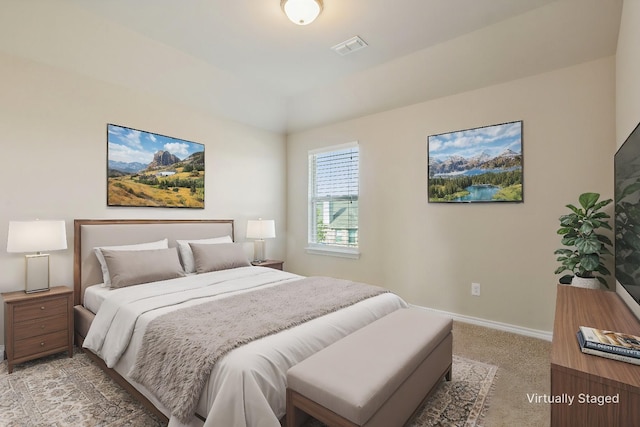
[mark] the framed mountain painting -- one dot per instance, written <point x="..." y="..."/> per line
<point x="476" y="165"/>
<point x="153" y="170"/>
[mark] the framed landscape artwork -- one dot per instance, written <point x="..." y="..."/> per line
<point x="148" y="169"/>
<point x="476" y="165"/>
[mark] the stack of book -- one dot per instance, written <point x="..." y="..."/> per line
<point x="610" y="344"/>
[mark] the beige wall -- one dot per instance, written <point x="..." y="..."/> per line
<point x="431" y="253"/>
<point x="53" y="146"/>
<point x="52" y="135"/>
<point x="628" y="71"/>
<point x="628" y="87"/>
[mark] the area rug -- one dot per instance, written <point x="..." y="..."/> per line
<point x="59" y="391"/>
<point x="463" y="401"/>
<point x="62" y="391"/>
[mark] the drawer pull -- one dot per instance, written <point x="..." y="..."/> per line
<point x="42" y="344"/>
<point x="42" y="308"/>
<point x="42" y="326"/>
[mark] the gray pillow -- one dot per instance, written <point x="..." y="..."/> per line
<point x="221" y="256"/>
<point x="187" y="255"/>
<point x="106" y="279"/>
<point x="128" y="268"/>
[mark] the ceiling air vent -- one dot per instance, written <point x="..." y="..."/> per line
<point x="349" y="46"/>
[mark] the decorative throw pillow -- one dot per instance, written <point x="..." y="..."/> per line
<point x="135" y="267"/>
<point x="221" y="256"/>
<point x="106" y="279"/>
<point x="187" y="255"/>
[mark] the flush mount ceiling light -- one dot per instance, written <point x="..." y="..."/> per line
<point x="301" y="12"/>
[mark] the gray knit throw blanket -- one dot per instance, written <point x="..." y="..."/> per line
<point x="180" y="348"/>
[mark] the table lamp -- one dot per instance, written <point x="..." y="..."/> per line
<point x="260" y="229"/>
<point x="36" y="236"/>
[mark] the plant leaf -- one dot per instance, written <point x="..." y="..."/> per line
<point x="588" y="245"/>
<point x="587" y="200"/>
<point x="586" y="227"/>
<point x="566" y="252"/>
<point x="601" y="280"/>
<point x="566" y="279"/>
<point x="605" y="225"/>
<point x="605" y="251"/>
<point x="573" y="208"/>
<point x="604" y="239"/>
<point x="602" y="204"/>
<point x="603" y="270"/>
<point x="570" y="220"/>
<point x="589" y="262"/>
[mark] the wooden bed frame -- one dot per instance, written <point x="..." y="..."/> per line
<point x="108" y="232"/>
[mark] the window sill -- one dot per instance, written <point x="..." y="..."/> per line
<point x="334" y="251"/>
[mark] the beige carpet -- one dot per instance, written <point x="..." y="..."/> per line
<point x="523" y="368"/>
<point x="58" y="391"/>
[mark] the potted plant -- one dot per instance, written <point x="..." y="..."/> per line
<point x="586" y="246"/>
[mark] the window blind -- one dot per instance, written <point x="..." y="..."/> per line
<point x="333" y="195"/>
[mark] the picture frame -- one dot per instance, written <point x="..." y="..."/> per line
<point x="478" y="165"/>
<point x="147" y="169"/>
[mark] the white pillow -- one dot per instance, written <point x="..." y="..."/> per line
<point x="106" y="278"/>
<point x="186" y="254"/>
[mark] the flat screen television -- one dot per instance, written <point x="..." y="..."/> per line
<point x="627" y="218"/>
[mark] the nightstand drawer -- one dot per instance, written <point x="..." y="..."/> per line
<point x="40" y="344"/>
<point x="37" y="324"/>
<point x="40" y="309"/>
<point x="36" y="327"/>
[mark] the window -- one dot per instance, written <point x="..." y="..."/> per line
<point x="333" y="200"/>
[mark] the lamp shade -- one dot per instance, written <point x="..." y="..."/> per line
<point x="36" y="236"/>
<point x="301" y="12"/>
<point x="261" y="229"/>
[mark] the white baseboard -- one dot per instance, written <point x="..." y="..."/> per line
<point x="534" y="333"/>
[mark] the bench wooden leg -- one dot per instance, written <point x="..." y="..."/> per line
<point x="299" y="407"/>
<point x="294" y="415"/>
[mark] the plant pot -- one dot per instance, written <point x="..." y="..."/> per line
<point x="586" y="282"/>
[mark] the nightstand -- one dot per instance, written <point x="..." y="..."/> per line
<point x="38" y="324"/>
<point x="271" y="263"/>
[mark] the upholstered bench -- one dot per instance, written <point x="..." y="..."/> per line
<point x="377" y="376"/>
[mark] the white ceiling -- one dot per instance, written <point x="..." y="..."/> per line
<point x="243" y="59"/>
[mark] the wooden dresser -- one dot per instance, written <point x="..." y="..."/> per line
<point x="37" y="324"/>
<point x="585" y="377"/>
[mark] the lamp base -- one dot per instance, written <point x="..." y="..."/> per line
<point x="258" y="251"/>
<point x="36" y="273"/>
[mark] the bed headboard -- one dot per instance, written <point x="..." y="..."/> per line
<point x="89" y="233"/>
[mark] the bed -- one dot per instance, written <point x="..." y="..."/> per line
<point x="246" y="386"/>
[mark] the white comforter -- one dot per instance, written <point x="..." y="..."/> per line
<point x="247" y="386"/>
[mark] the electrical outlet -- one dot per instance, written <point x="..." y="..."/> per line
<point x="475" y="289"/>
